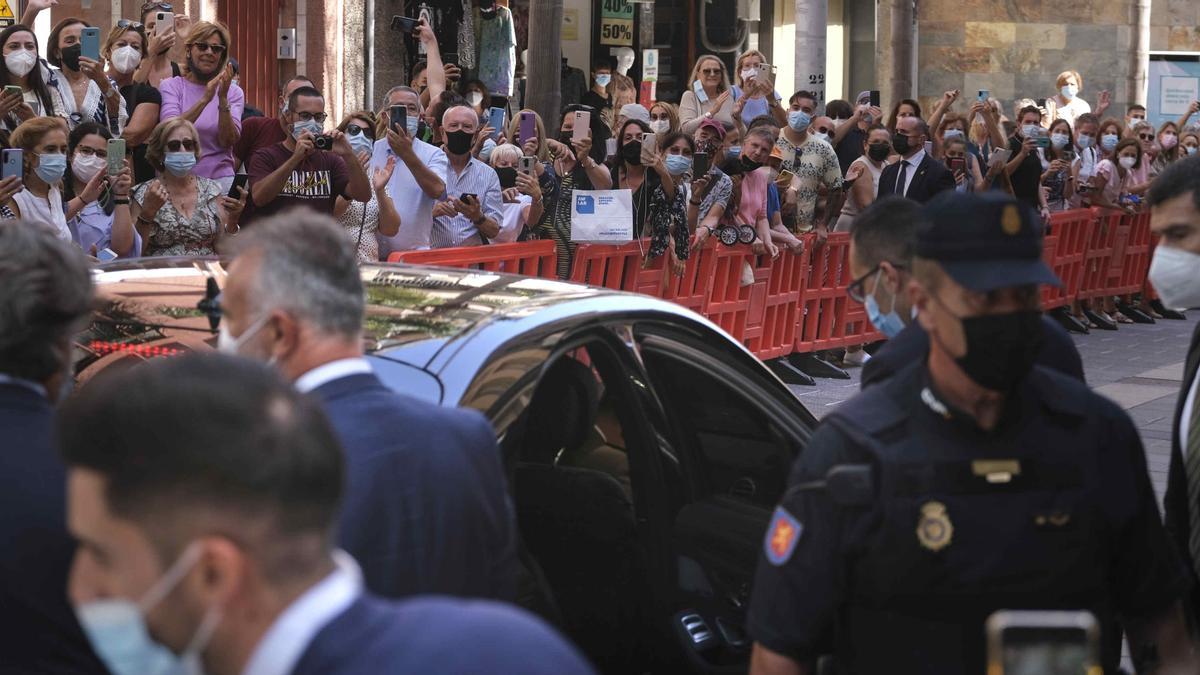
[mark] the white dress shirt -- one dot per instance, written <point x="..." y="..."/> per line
<point x="911" y="169"/>
<point x="1189" y="404"/>
<point x="414" y="206"/>
<point x="334" y="370"/>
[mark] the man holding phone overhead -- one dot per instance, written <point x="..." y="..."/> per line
<point x="469" y="213"/>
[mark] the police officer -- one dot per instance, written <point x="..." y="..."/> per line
<point x="994" y="484"/>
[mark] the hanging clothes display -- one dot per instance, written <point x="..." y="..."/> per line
<point x="497" y="41"/>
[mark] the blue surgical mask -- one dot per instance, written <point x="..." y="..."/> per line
<point x="116" y="628"/>
<point x="953" y="133"/>
<point x="1059" y="140"/>
<point x="180" y="163"/>
<point x="1190" y="150"/>
<point x="1085" y="142"/>
<point x="889" y="324"/>
<point x="603" y="80"/>
<point x="677" y="165"/>
<point x="411" y="124"/>
<point x="51" y="168"/>
<point x="733" y="152"/>
<point x="1069" y="91"/>
<point x="313" y="127"/>
<point x="822" y="136"/>
<point x="799" y="120"/>
<point x="361" y="143"/>
<point x="1108" y="142"/>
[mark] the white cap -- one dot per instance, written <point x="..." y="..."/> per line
<point x="635" y="111"/>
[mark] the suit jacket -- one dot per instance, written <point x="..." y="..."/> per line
<point x="427" y="507"/>
<point x="437" y="635"/>
<point x="931" y="178"/>
<point x="1058" y="352"/>
<point x="1175" y="503"/>
<point x="38" y="629"/>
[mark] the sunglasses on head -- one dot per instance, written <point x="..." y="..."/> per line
<point x="205" y="47"/>
<point x="164" y="6"/>
<point x="186" y="144"/>
<point x="131" y="25"/>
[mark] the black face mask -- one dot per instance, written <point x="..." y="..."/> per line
<point x="70" y="57"/>
<point x="748" y="164"/>
<point x="459" y="142"/>
<point x="878" y="151"/>
<point x="631" y="153"/>
<point x="900" y="143"/>
<point x="507" y="176"/>
<point x="1001" y="348"/>
<point x="565" y="138"/>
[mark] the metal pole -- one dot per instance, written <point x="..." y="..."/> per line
<point x="1139" y="62"/>
<point x="369" y="49"/>
<point x="812" y="17"/>
<point x="900" y="83"/>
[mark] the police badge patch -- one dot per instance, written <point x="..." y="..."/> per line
<point x="782" y="536"/>
<point x="934" y="529"/>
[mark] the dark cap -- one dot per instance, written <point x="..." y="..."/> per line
<point x="984" y="241"/>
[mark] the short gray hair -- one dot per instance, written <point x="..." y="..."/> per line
<point x="47" y="291"/>
<point x="308" y="269"/>
<point x="406" y="89"/>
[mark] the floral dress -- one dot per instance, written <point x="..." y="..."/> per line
<point x="360" y="221"/>
<point x="668" y="217"/>
<point x="174" y="235"/>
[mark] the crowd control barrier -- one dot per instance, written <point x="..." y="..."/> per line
<point x="797" y="303"/>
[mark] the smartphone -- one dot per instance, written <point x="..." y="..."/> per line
<point x="13" y="89"/>
<point x="874" y="98"/>
<point x="528" y="128"/>
<point x="1041" y="103"/>
<point x="956" y="164"/>
<point x="12" y="163"/>
<point x="106" y="255"/>
<point x="398" y="115"/>
<point x="649" y="146"/>
<point x="496" y="122"/>
<point x="239" y="181"/>
<point x="404" y="24"/>
<point x="468" y="197"/>
<point x="699" y="163"/>
<point x="89" y="43"/>
<point x="116" y="155"/>
<point x="610" y="147"/>
<point x="525" y="165"/>
<point x="786" y="175"/>
<point x="984" y="95"/>
<point x="164" y="22"/>
<point x="1043" y="642"/>
<point x="583" y="123"/>
<point x="1068" y="155"/>
<point x="450" y="57"/>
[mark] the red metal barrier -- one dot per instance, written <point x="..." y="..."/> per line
<point x="619" y="267"/>
<point x="528" y="258"/>
<point x="1072" y="232"/>
<point x="781" y="309"/>
<point x="1051" y="297"/>
<point x="733" y="304"/>
<point x="1098" y="256"/>
<point x="828" y="317"/>
<point x="1133" y="261"/>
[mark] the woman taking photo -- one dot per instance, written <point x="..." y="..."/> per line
<point x="22" y="68"/>
<point x="361" y="221"/>
<point x="205" y="96"/>
<point x="1057" y="178"/>
<point x="630" y="171"/>
<point x="754" y="94"/>
<point x="574" y="168"/>
<point x="104" y="221"/>
<point x="522" y="207"/>
<point x="86" y="92"/>
<point x="124" y="50"/>
<point x="181" y="213"/>
<point x="709" y="96"/>
<point x="666" y="222"/>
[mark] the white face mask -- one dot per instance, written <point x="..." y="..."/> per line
<point x="85" y="168"/>
<point x="1127" y="162"/>
<point x="474" y="98"/>
<point x="748" y="73"/>
<point x="1173" y="273"/>
<point x="20" y="62"/>
<point x="227" y="344"/>
<point x="126" y="59"/>
<point x="660" y="126"/>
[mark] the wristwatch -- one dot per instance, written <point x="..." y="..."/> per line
<point x="112" y="93"/>
<point x="479" y="221"/>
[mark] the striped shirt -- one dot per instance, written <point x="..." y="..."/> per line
<point x="480" y="180"/>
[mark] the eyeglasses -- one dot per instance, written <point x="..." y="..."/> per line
<point x="1146" y="137"/>
<point x="855" y="289"/>
<point x="307" y="116"/>
<point x="87" y="151"/>
<point x="354" y="130"/>
<point x="131" y="25"/>
<point x="206" y="47"/>
<point x="186" y="144"/>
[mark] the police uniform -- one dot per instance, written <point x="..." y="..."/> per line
<point x="1051" y="509"/>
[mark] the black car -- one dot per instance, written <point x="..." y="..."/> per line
<point x="646" y="448"/>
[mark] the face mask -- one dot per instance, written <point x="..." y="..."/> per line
<point x="313" y="128"/>
<point x="748" y="164"/>
<point x="603" y="80"/>
<point x="900" y="143"/>
<point x="1085" y="142"/>
<point x="1030" y="130"/>
<point x="1059" y="140"/>
<point x="20" y="62"/>
<point x="1108" y="142"/>
<point x="889" y="324"/>
<point x="953" y="133"/>
<point x="878" y="151"/>
<point x="748" y="73"/>
<point x="1127" y="162"/>
<point x="227" y="344"/>
<point x="117" y="629"/>
<point x="411" y="124"/>
<point x="474" y="98"/>
<point x="677" y="165"/>
<point x="126" y="59"/>
<point x="507" y="176"/>
<point x="1069" y="91"/>
<point x="361" y="143"/>
<point x="631" y="153"/>
<point x="799" y="120"/>
<point x="70" y="57"/>
<point x="1190" y="150"/>
<point x="733" y="152"/>
<point x="180" y="163"/>
<point x="85" y="168"/>
<point x="660" y="126"/>
<point x="1134" y="121"/>
<point x="1168" y="141"/>
<point x="459" y="142"/>
<point x="51" y="168"/>
<point x="823" y="137"/>
<point x="1001" y="348"/>
<point x="837" y="124"/>
<point x="1173" y="273"/>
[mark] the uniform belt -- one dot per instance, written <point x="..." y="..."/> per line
<point x="963" y="478"/>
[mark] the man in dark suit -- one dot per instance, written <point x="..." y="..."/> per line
<point x="46" y="292"/>
<point x="204" y="491"/>
<point x="427" y="509"/>
<point x="1174" y="199"/>
<point x="916" y="176"/>
<point x="882" y="242"/>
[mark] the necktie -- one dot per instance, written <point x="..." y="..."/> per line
<point x="1192" y="463"/>
<point x="900" y="177"/>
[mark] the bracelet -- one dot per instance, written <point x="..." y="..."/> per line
<point x="143" y="219"/>
<point x="121" y="201"/>
<point x="236" y="225"/>
<point x="694" y="203"/>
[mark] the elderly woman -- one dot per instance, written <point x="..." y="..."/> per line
<point x="180" y="212"/>
<point x="87" y="93"/>
<point x="1067" y="103"/>
<point x="362" y="220"/>
<point x="206" y="96"/>
<point x="709" y="97"/>
<point x="522" y="207"/>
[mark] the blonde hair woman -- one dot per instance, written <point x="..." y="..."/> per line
<point x="754" y="94"/>
<point x="709" y="96"/>
<point x="1068" y="105"/>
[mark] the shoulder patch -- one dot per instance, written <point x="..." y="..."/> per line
<point x="782" y="536"/>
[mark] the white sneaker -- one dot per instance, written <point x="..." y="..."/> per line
<point x="856" y="358"/>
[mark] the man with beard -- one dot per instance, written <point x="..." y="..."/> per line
<point x="469" y="214"/>
<point x="206" y="96"/>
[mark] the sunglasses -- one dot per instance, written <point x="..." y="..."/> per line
<point x="1146" y="137"/>
<point x="164" y="6"/>
<point x="354" y="130"/>
<point x="186" y="144"/>
<point x="823" y="130"/>
<point x="206" y="47"/>
<point x="131" y="25"/>
<point x="710" y="71"/>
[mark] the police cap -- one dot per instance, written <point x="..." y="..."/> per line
<point x="984" y="241"/>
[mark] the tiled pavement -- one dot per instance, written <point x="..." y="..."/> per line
<point x="1139" y="366"/>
